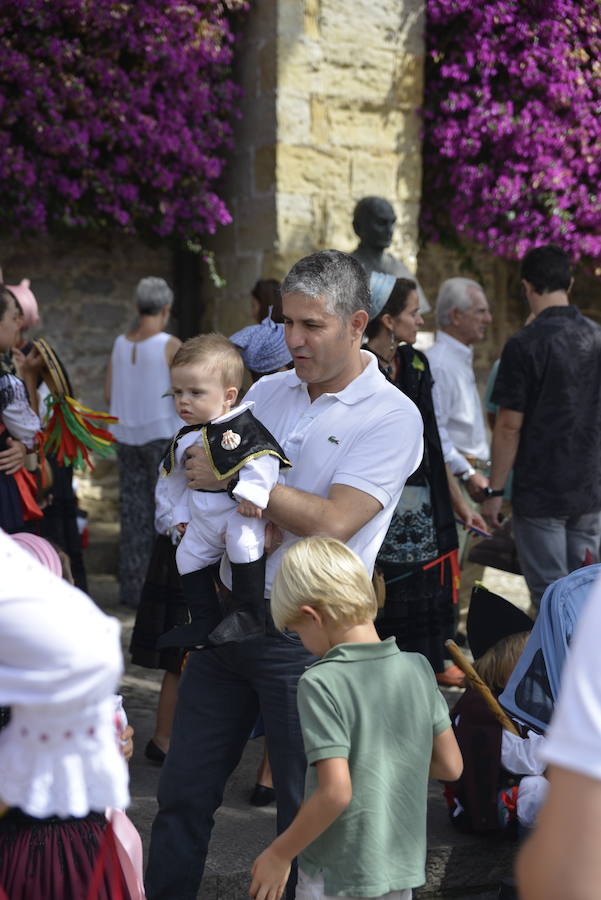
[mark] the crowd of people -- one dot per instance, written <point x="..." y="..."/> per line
<point x="282" y="549"/>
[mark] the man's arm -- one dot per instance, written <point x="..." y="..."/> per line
<point x="505" y="441"/>
<point x="561" y="861"/>
<point x="469" y="516"/>
<point x="333" y="795"/>
<point x="339" y="515"/>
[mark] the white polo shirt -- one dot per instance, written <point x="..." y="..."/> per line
<point x="368" y="436"/>
<point x="457" y="402"/>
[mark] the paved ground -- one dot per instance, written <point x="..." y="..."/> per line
<point x="458" y="866"/>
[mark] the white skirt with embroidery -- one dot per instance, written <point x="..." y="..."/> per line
<point x="57" y="761"/>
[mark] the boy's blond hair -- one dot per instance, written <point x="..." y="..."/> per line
<point x="323" y="573"/>
<point x="496" y="665"/>
<point x="216" y="353"/>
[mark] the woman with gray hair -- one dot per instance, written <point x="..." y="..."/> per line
<point x="136" y="385"/>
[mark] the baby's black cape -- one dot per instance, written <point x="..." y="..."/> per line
<point x="255" y="441"/>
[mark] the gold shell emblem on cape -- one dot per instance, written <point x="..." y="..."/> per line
<point x="230" y="440"/>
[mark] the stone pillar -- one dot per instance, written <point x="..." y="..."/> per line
<point x="244" y="249"/>
<point x="329" y="116"/>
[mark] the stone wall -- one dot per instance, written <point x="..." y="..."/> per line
<point x="350" y="80"/>
<point x="244" y="249"/>
<point x="84" y="286"/>
<point x="501" y="282"/>
<point x="329" y="115"/>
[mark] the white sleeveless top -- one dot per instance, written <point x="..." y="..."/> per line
<point x="140" y="378"/>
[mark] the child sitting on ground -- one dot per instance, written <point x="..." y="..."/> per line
<point x="374" y="727"/>
<point x="502" y="786"/>
<point x="206" y="376"/>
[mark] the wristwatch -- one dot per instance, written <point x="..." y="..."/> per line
<point x="465" y="476"/>
<point x="489" y="492"/>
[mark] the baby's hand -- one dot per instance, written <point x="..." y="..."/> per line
<point x="250" y="510"/>
<point x="181" y="528"/>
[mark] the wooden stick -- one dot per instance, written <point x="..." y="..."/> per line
<point x="477" y="683"/>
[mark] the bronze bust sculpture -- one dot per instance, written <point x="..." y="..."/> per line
<point x="373" y="221"/>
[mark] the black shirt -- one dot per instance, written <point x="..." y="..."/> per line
<point x="551" y="372"/>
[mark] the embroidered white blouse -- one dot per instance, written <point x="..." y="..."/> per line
<point x="60" y="660"/>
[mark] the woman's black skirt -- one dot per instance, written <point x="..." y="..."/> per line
<point x="419" y="611"/>
<point x="162" y="607"/>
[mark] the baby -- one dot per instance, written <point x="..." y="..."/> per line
<point x="206" y="375"/>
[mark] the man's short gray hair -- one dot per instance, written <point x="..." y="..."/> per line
<point x="336" y="277"/>
<point x="152" y="295"/>
<point x="455" y="293"/>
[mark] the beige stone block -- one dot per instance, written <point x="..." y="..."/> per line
<point x="300" y="64"/>
<point x="294" y="118"/>
<point x="296" y="229"/>
<point x="295" y="208"/>
<point x="309" y="169"/>
<point x="355" y="74"/>
<point x="264" y="169"/>
<point x="321" y="131"/>
<point x="398" y="24"/>
<point x="408" y="184"/>
<point x="333" y="222"/>
<point x="407" y="88"/>
<point x="412" y="26"/>
<point x="291" y="18"/>
<point x="294" y="242"/>
<point x="312" y="23"/>
<point x="296" y="225"/>
<point x="373" y="174"/>
<point x="368" y="125"/>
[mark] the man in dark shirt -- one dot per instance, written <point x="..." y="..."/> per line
<point x="549" y="428"/>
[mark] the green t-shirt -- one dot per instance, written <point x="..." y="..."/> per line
<point x="378" y="708"/>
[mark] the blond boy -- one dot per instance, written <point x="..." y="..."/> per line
<point x="374" y="726"/>
<point x="206" y="376"/>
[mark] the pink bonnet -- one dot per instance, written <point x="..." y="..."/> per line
<point x="40" y="549"/>
<point x="27" y="301"/>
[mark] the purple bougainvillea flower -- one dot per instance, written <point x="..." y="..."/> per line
<point x="512" y="125"/>
<point x="115" y="114"/>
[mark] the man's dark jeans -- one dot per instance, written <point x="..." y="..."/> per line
<point x="220" y="695"/>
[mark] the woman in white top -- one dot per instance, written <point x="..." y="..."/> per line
<point x="60" y="762"/>
<point x="136" y="384"/>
